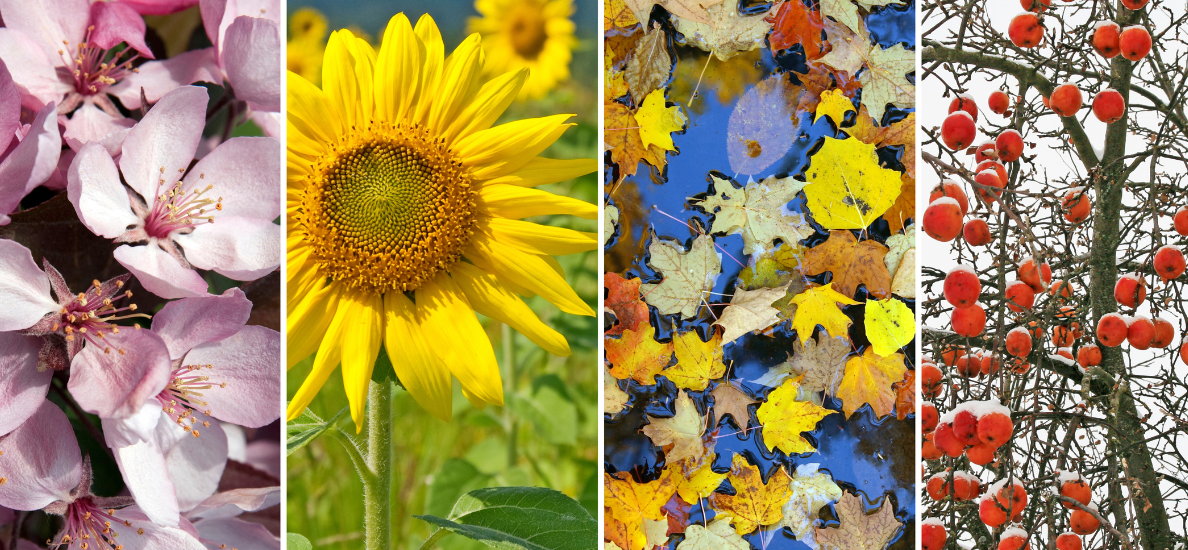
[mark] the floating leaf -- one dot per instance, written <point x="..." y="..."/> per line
<point x="718" y="535"/>
<point x="688" y="275"/>
<point x="847" y="188"/>
<point x="624" y="534"/>
<point x="756" y="211"/>
<point x="794" y="24"/>
<point x="890" y="325"/>
<point x="650" y="65"/>
<point x="623" y="299"/>
<point x="811" y="491"/>
<point x="621" y="135"/>
<point x="727" y="32"/>
<point x="683" y="431"/>
<point x="851" y="262"/>
<point x="835" y="105"/>
<point x="868" y="379"/>
<point x="842" y="11"/>
<point x="820" y="364"/>
<point x="618" y="16"/>
<point x="753" y="504"/>
<point x="905" y="395"/>
<point x="884" y="80"/>
<point x="859" y="529"/>
<point x="631" y="501"/>
<point x="688" y="9"/>
<point x="697" y="362"/>
<point x="750" y="310"/>
<point x="784" y="419"/>
<point x="614" y="400"/>
<point x="818" y="306"/>
<point x="657" y="122"/>
<point x="655" y="532"/>
<point x="903" y="284"/>
<point x="897" y="247"/>
<point x="610" y="219"/>
<point x="761" y="128"/>
<point x="701" y="484"/>
<point x="637" y="355"/>
<point x="733" y="402"/>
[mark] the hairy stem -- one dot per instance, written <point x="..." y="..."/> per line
<point x="377" y="504"/>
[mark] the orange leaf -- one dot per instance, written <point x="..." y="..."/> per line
<point x="630" y="501"/>
<point x="904" y="207"/>
<point x="905" y="402"/>
<point x="797" y="24"/>
<point x="870" y="378"/>
<point x="637" y="355"/>
<point x="623" y="299"/>
<point x="754" y="504"/>
<point x="852" y="263"/>
<point x="627" y="535"/>
<point x="626" y="147"/>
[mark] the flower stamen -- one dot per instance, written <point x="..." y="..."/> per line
<point x="94" y="68"/>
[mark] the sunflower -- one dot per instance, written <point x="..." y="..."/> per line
<point x="307" y="36"/>
<point x="536" y="34"/>
<point x="404" y="207"/>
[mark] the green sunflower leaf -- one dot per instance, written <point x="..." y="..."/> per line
<point x="518" y="518"/>
<point x="306" y="427"/>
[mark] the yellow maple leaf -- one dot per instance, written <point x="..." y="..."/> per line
<point x="657" y="122"/>
<point x="890" y="325"/>
<point x="637" y="355"/>
<point x="818" y="306"/>
<point x="697" y="362"/>
<point x="629" y="501"/>
<point x="847" y="188"/>
<point x="835" y="105"/>
<point x="754" y="504"/>
<point x="701" y="483"/>
<point x="868" y="379"/>
<point x="683" y="431"/>
<point x="716" y="536"/>
<point x="623" y="534"/>
<point x="784" y="419"/>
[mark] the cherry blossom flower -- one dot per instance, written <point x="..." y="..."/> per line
<point x="41" y="468"/>
<point x="34" y="158"/>
<point x="217" y="522"/>
<point x="218" y="216"/>
<point x="245" y="56"/>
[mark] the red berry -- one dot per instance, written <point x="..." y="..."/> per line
<point x="1169" y="262"/>
<point x="1018" y="342"/>
<point x="1181" y="221"/>
<point x="942" y="219"/>
<point x="969" y="321"/>
<point x="998" y="102"/>
<point x="1140" y="333"/>
<point x="958" y="130"/>
<point x="1130" y="291"/>
<point x="1066" y="100"/>
<point x="1109" y="106"/>
<point x="1069" y="541"/>
<point x="1105" y="39"/>
<point x="1019" y="296"/>
<point x="976" y="232"/>
<point x="1026" y="31"/>
<point x="962" y="287"/>
<point x="1083" y="523"/>
<point x="1009" y="145"/>
<point x="950" y="188"/>
<point x="964" y="103"/>
<point x="995" y="429"/>
<point x="1134" y="43"/>
<point x="1076" y="205"/>
<point x="1089" y="355"/>
<point x="933" y="535"/>
<point x="928" y="416"/>
<point x="1077" y="490"/>
<point x="1112" y="330"/>
<point x="1165" y="333"/>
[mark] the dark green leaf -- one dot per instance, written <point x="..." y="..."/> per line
<point x="521" y="518"/>
<point x="455" y="478"/>
<point x="306" y="427"/>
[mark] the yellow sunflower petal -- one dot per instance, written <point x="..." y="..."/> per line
<point x="308" y="319"/>
<point x="514" y="202"/>
<point x="364" y="60"/>
<point x="329" y="354"/>
<point x="397" y="69"/>
<point x="338" y="78"/>
<point x="490" y="102"/>
<point x="433" y="62"/>
<point x="307" y="110"/>
<point x="360" y="347"/>
<point x="459" y="82"/>
<point x="418" y="368"/>
<point x="534" y="238"/>
<point x="509" y="140"/>
<point x="458" y="338"/>
<point x="541" y="171"/>
<point x="488" y="296"/>
<point x="527" y="270"/>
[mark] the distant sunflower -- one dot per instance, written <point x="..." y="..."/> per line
<point x="536" y="34"/>
<point x="307" y="43"/>
<point x="404" y="206"/>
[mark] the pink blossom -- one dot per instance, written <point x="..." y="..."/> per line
<point x="34" y="157"/>
<point x="218" y="216"/>
<point x="217" y="522"/>
<point x="245" y="56"/>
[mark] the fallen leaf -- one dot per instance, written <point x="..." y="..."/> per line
<point x="762" y="127"/>
<point x="904" y="207"/>
<point x="818" y="306"/>
<point x="616" y="85"/>
<point x="726" y="81"/>
<point x="608" y="545"/>
<point x="733" y="402"/>
<point x="868" y="4"/>
<point x="700" y="484"/>
<point x="884" y="80"/>
<point x="625" y="534"/>
<point x="750" y="310"/>
<point x="835" y="105"/>
<point x="623" y="299"/>
<point x="697" y="362"/>
<point x="655" y="532"/>
<point x="903" y="132"/>
<point x="890" y="325"/>
<point x="897" y="247"/>
<point x="796" y="23"/>
<point x="610" y="221"/>
<point x="811" y="491"/>
<point x="614" y="400"/>
<point x="688" y="275"/>
<point x="905" y="395"/>
<point x="842" y="11"/>
<point x="868" y="379"/>
<point x="784" y="418"/>
<point x="650" y="65"/>
<point x="616" y="15"/>
<point x="847" y="188"/>
<point x="753" y="504"/>
<point x="820" y="364"/>
<point x="852" y="263"/>
<point x="727" y="33"/>
<point x="785" y="305"/>
<point x="689" y="9"/>
<point x="683" y="431"/>
<point x="904" y="282"/>
<point x="630" y="501"/>
<point x="859" y="530"/>
<point x="637" y="355"/>
<point x="621" y="136"/>
<point x="657" y="122"/>
<point x="718" y="535"/>
<point x="756" y="211"/>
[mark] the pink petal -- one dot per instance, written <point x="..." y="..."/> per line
<point x="117" y="22"/>
<point x="159" y="272"/>
<point x="162" y="144"/>
<point x="269" y="123"/>
<point x="249" y="363"/>
<point x="99" y="199"/>
<point x="235" y="502"/>
<point x="124" y="432"/>
<point x="245" y="172"/>
<point x="155" y="536"/>
<point x="89" y="123"/>
<point x="243" y="249"/>
<point x="265" y="456"/>
<point x="158" y="7"/>
<point x="57" y="180"/>
<point x="10" y="107"/>
<point x="147" y="478"/>
<point x="116" y="385"/>
<point x="251" y="56"/>
<point x="158" y="78"/>
<point x="212" y="16"/>
<point x="24" y="289"/>
<point x="22" y="387"/>
<point x="190" y="322"/>
<point x="236" y="533"/>
<point x="196" y="463"/>
<point x="41" y="460"/>
<point x="49" y="22"/>
<point x="31" y="69"/>
<point x="32" y="161"/>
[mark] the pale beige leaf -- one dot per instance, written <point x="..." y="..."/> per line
<point x="757" y="212"/>
<point x="727" y="33"/>
<point x="897" y="246"/>
<point x="718" y="535"/>
<point x="811" y="491"/>
<point x="903" y="284"/>
<point x="859" y="530"/>
<point x="683" y="431"/>
<point x="688" y="275"/>
<point x="842" y="11"/>
<point x="750" y="310"/>
<point x="614" y="400"/>
<point x="729" y="400"/>
<point x="655" y="532"/>
<point x="821" y="364"/>
<point x="649" y="66"/>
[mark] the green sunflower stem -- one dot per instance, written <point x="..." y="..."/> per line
<point x="377" y="507"/>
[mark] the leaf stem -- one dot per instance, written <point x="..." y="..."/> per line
<point x="436" y="536"/>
